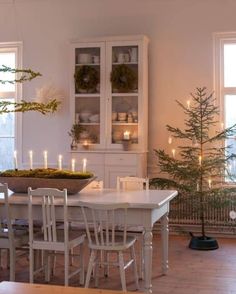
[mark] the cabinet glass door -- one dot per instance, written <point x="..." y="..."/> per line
<point x="88" y="82"/>
<point x="124" y="94"/>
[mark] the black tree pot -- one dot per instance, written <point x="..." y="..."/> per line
<point x="203" y="243"/>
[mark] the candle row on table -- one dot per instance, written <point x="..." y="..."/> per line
<point x="45" y="161"/>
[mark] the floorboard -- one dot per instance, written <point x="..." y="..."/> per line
<point x="191" y="271"/>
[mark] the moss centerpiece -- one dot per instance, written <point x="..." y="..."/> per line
<point x="19" y="180"/>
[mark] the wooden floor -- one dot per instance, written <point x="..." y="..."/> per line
<point x="201" y="272"/>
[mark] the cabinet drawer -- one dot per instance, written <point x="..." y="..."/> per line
<point x="120" y="159"/>
<point x="92" y="158"/>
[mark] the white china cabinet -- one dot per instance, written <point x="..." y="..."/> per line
<point x="109" y="100"/>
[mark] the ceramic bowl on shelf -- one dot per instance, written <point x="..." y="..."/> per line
<point x="122" y="116"/>
<point x="85" y="115"/>
<point x="94" y="118"/>
<point x="114" y="116"/>
<point x="85" y="58"/>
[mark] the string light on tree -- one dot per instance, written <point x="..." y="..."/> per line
<point x="188" y="104"/>
<point x="170" y="140"/>
<point x="173" y="152"/>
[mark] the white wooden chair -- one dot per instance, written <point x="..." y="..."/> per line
<point x="51" y="239"/>
<point x="135" y="184"/>
<point x="11" y="239"/>
<point x="104" y="238"/>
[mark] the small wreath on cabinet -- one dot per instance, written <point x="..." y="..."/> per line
<point x="86" y="79"/>
<point x="123" y="78"/>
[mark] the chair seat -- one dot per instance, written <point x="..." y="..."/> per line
<point x="20" y="238"/>
<point x="118" y="245"/>
<point x="73" y="237"/>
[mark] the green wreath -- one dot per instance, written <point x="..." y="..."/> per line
<point x="123" y="78"/>
<point x="86" y="78"/>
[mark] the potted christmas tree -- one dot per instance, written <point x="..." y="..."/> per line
<point x="201" y="167"/>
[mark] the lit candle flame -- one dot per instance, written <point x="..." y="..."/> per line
<point x="188" y="104"/>
<point x="170" y="140"/>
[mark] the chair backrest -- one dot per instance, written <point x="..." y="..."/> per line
<point x="6" y="232"/>
<point x="48" y="198"/>
<point x="94" y="185"/>
<point x="132" y="183"/>
<point x="100" y="222"/>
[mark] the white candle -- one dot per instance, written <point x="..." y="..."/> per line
<point x="173" y="153"/>
<point x="31" y="159"/>
<point x="188" y="104"/>
<point x="15" y="160"/>
<point x="170" y="140"/>
<point x="209" y="183"/>
<point x="84" y="165"/>
<point x="126" y="135"/>
<point x="45" y="159"/>
<point x="60" y="162"/>
<point x="72" y="164"/>
<point x="200" y="160"/>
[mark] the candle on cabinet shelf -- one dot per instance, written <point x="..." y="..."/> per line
<point x="73" y="165"/>
<point x="60" y="162"/>
<point x="15" y="160"/>
<point x="173" y="152"/>
<point x="200" y="160"/>
<point x="84" y="165"/>
<point x="209" y="183"/>
<point x="31" y="159"/>
<point x="45" y="159"/>
<point x="86" y="144"/>
<point x="170" y="140"/>
<point x="126" y="135"/>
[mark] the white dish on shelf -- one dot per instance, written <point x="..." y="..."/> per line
<point x="84" y="58"/>
<point x="84" y="116"/>
<point x="94" y="118"/>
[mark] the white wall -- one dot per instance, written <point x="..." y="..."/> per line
<point x="181" y="53"/>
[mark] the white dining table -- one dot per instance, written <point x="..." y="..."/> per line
<point x="146" y="208"/>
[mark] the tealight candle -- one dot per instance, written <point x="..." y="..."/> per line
<point x="173" y="152"/>
<point x="84" y="165"/>
<point x="45" y="159"/>
<point x="72" y="164"/>
<point x="31" y="159"/>
<point x="85" y="144"/>
<point x="15" y="160"/>
<point x="60" y="162"/>
<point x="126" y="135"/>
<point x="170" y="140"/>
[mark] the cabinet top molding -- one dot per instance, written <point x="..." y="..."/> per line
<point x="112" y="38"/>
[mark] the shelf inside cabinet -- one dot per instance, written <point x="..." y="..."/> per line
<point x="89" y="64"/>
<point x="97" y="95"/>
<point x="133" y="94"/>
<point x="131" y="63"/>
<point x="124" y="124"/>
<point x="89" y="124"/>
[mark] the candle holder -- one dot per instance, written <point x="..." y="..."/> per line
<point x="85" y="145"/>
<point x="126" y="144"/>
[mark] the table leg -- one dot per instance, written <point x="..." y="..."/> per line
<point x="165" y="241"/>
<point x="148" y="260"/>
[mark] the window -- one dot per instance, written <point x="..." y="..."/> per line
<point x="10" y="123"/>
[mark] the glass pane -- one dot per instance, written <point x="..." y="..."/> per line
<point x="230" y="106"/>
<point x="6" y="153"/>
<point x="7" y="59"/>
<point x="7" y="122"/>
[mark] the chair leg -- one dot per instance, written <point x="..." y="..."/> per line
<point x="106" y="266"/>
<point x="31" y="262"/>
<point x="81" y="262"/>
<point x="90" y="268"/>
<point x="12" y="264"/>
<point x="134" y="267"/>
<point x="141" y="266"/>
<point x="67" y="263"/>
<point x="96" y="269"/>
<point x="122" y="271"/>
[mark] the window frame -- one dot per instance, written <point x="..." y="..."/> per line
<point x="220" y="39"/>
<point x="16" y="47"/>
